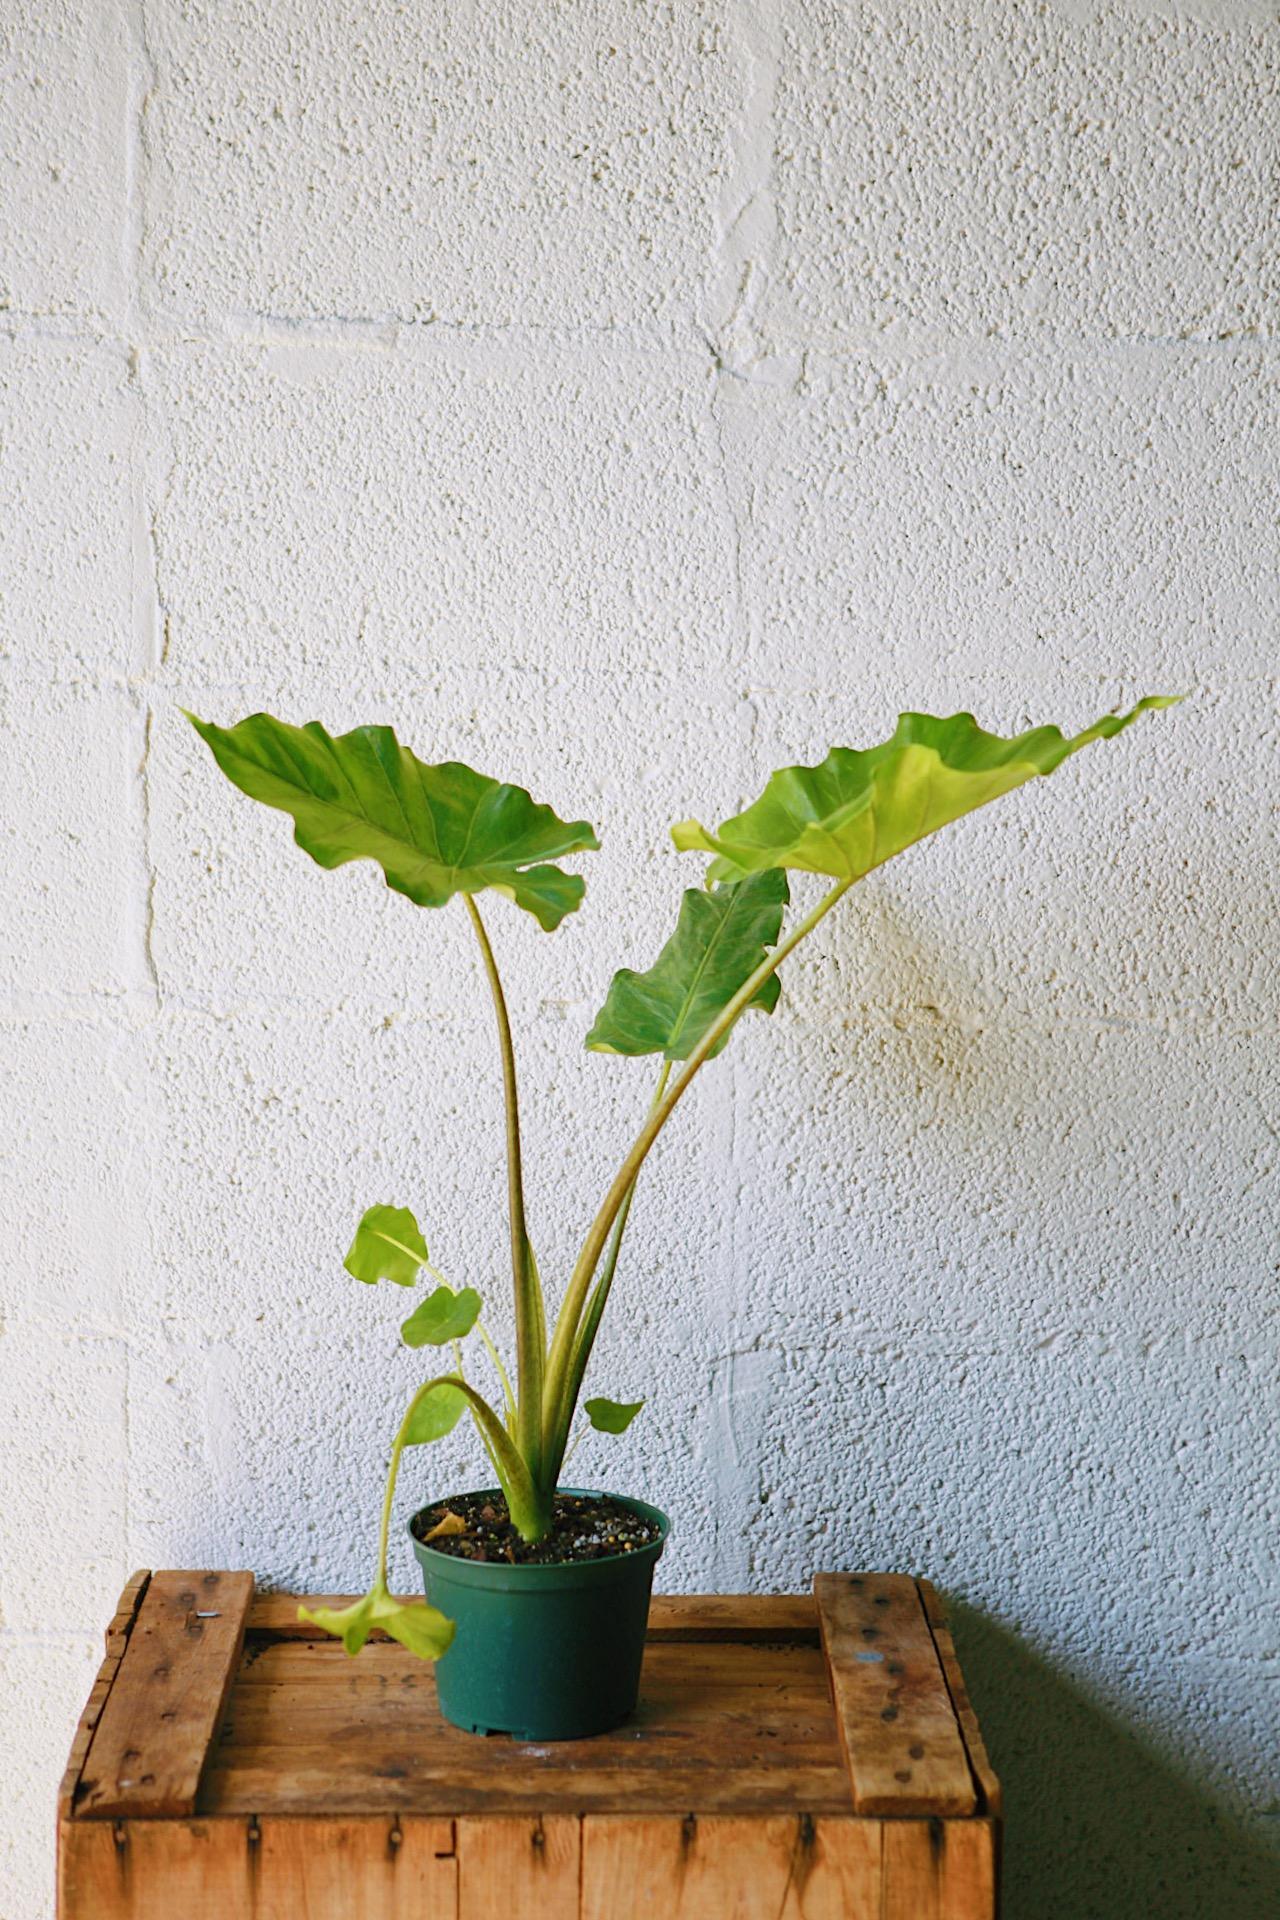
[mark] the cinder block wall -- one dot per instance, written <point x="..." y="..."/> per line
<point x="629" y="399"/>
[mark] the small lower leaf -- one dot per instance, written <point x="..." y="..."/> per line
<point x="352" y="1625"/>
<point x="388" y="1246"/>
<point x="422" y="1628"/>
<point x="435" y="1415"/>
<point x="443" y="1316"/>
<point x="611" y="1416"/>
<point x="446" y="1528"/>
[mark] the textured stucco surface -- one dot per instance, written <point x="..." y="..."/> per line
<point x="628" y="400"/>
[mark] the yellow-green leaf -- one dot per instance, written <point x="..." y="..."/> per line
<point x="423" y="1629"/>
<point x="858" y="808"/>
<point x="388" y="1246"/>
<point x="436" y="1414"/>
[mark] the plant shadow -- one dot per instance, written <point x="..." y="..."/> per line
<point x="1099" y="1827"/>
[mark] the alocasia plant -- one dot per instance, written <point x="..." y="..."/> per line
<point x="443" y="831"/>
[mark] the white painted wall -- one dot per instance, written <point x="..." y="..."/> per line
<point x="628" y="399"/>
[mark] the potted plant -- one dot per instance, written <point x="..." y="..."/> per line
<point x="537" y="1596"/>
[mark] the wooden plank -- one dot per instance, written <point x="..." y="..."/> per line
<point x="309" y="1730"/>
<point x="783" y="1618"/>
<point x="939" y="1870"/>
<point x="518" y="1869"/>
<point x="730" y="1869"/>
<point x="116" y="1637"/>
<point x="380" y="1868"/>
<point x="322" y="1669"/>
<point x="396" y="1782"/>
<point x="117" y="1628"/>
<point x="376" y="1869"/>
<point x="897" y="1727"/>
<point x="989" y="1788"/>
<point x="163" y="1710"/>
<point x="153" y="1869"/>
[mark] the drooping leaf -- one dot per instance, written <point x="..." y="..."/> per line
<point x="720" y="938"/>
<point x="447" y="1528"/>
<point x="443" y="1316"/>
<point x="435" y="1414"/>
<point x="611" y="1416"/>
<point x="388" y="1246"/>
<point x="858" y="808"/>
<point x="422" y="1628"/>
<point x="434" y="830"/>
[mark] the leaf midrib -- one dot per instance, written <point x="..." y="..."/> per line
<point x="701" y="968"/>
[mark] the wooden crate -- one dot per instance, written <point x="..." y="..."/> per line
<point x="800" y="1758"/>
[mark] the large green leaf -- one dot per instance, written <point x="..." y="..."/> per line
<point x="720" y="939"/>
<point x="443" y="1316"/>
<point x="423" y="1629"/>
<point x="388" y="1246"/>
<point x="434" y="830"/>
<point x="857" y="809"/>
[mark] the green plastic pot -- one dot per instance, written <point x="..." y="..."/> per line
<point x="543" y="1652"/>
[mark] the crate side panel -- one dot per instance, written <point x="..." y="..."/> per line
<point x="521" y="1869"/>
<point x="154" y="1869"/>
<point x="939" y="1870"/>
<point x="730" y="1868"/>
<point x="379" y="1868"/>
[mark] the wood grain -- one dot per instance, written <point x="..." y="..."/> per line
<point x="894" y="1715"/>
<point x="779" y="1617"/>
<point x="938" y="1870"/>
<point x="371" y="1869"/>
<point x="721" y="1727"/>
<point x="991" y="1795"/>
<point x="376" y="1869"/>
<point x="730" y="1869"/>
<point x="117" y="1638"/>
<point x="518" y="1869"/>
<point x="167" y="1697"/>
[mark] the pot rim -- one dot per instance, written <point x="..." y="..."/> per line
<point x="526" y="1573"/>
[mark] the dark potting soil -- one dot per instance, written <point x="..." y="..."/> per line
<point x="477" y="1526"/>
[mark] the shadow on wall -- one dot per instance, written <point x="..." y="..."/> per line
<point x="1099" y="1827"/>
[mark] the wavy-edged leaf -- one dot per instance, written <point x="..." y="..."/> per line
<point x="434" y="830"/>
<point x="388" y="1246"/>
<point x="720" y="939"/>
<point x="420" y="1627"/>
<point x="611" y="1416"/>
<point x="435" y="1414"/>
<point x="443" y="1316"/>
<point x="858" y="808"/>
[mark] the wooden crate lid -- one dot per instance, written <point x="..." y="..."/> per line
<point x="836" y="1703"/>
